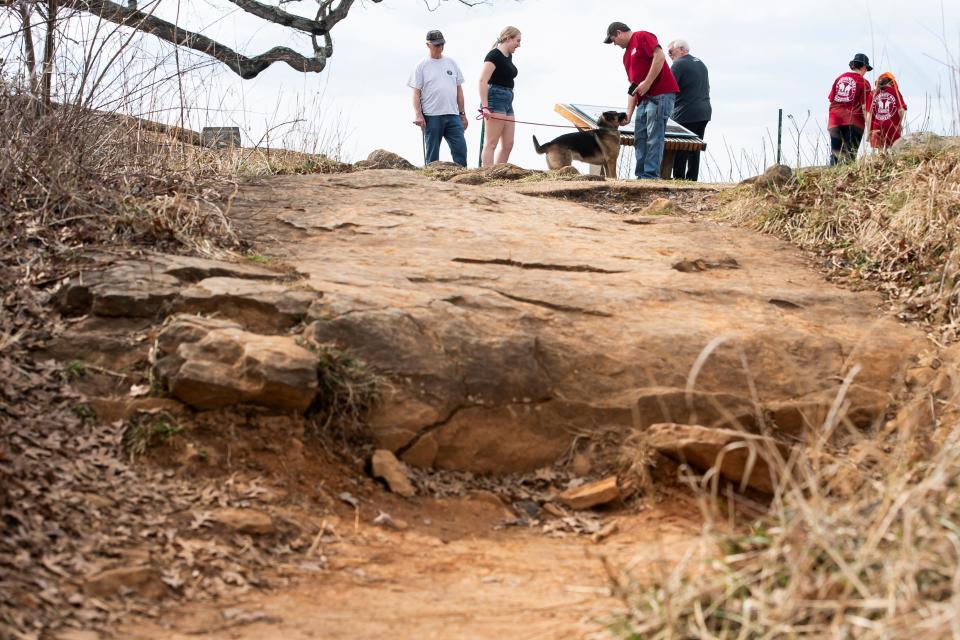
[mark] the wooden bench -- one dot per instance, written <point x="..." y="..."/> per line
<point x="677" y="138"/>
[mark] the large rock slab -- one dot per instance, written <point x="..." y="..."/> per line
<point x="510" y="325"/>
<point x="261" y="306"/>
<point x="209" y="366"/>
<point x="147" y="286"/>
<point x="129" y="289"/>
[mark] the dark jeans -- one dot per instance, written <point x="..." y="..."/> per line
<point x="686" y="164"/>
<point x="844" y="143"/>
<point x="448" y="128"/>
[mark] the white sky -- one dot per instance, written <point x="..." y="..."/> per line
<point x="761" y="55"/>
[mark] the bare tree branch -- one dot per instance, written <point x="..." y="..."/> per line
<point x="283" y="18"/>
<point x="329" y="14"/>
<point x="241" y="65"/>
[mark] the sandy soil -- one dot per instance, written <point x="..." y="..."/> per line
<point x="452" y="574"/>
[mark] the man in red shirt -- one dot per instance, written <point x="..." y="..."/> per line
<point x="849" y="104"/>
<point x="653" y="91"/>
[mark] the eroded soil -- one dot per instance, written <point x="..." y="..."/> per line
<point x="516" y="333"/>
<point x="455" y="573"/>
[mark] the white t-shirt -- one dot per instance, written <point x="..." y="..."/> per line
<point x="438" y="81"/>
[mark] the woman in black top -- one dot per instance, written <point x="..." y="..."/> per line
<point x="496" y="96"/>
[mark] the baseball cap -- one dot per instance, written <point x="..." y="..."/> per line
<point x="862" y="59"/>
<point x="435" y="37"/>
<point x="612" y="31"/>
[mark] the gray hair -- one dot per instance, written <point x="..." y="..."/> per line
<point x="680" y="44"/>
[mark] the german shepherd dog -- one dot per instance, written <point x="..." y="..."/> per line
<point x="599" y="146"/>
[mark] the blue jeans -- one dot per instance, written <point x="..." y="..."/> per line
<point x="651" y="127"/>
<point x="448" y="128"/>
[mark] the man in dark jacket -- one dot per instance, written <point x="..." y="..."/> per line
<point x="692" y="109"/>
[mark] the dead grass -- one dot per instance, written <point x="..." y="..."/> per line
<point x="891" y="221"/>
<point x="348" y="391"/>
<point x="876" y="559"/>
<point x="73" y="181"/>
<point x="862" y="537"/>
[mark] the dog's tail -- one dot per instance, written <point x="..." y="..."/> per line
<point x="536" y="145"/>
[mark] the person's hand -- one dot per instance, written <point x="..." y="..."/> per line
<point x="487" y="114"/>
<point x="626" y="119"/>
<point x="642" y="89"/>
<point x="465" y="122"/>
<point x="420" y="121"/>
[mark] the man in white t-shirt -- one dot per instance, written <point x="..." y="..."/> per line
<point x="438" y="102"/>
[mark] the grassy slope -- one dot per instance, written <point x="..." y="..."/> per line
<point x="863" y="542"/>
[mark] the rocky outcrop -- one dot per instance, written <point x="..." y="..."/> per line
<point x="508" y="325"/>
<point x="210" y="364"/>
<point x="261" y="306"/>
<point x="925" y="141"/>
<point x="774" y="177"/>
<point x="383" y="159"/>
<point x="143" y="288"/>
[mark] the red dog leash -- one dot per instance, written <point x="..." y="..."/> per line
<point x="539" y="124"/>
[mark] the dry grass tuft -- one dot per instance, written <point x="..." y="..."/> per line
<point x="890" y="220"/>
<point x="348" y="391"/>
<point x="881" y="561"/>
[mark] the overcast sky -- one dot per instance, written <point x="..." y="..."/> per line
<point x="762" y="56"/>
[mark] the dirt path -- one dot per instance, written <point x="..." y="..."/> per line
<point x="515" y="331"/>
<point x="486" y="584"/>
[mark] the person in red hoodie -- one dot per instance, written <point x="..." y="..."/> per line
<point x="849" y="104"/>
<point x="886" y="112"/>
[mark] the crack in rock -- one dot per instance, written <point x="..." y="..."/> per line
<point x="554" y="306"/>
<point x="430" y="428"/>
<point x="446" y="280"/>
<point x="784" y="304"/>
<point x="581" y="268"/>
<point x="705" y="264"/>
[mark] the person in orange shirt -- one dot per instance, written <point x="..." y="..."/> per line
<point x="886" y="112"/>
<point x="849" y="104"/>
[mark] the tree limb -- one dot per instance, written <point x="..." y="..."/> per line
<point x="243" y="66"/>
<point x="281" y="17"/>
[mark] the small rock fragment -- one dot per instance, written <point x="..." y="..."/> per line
<point x="349" y="499"/>
<point x="489" y="497"/>
<point x="663" y="207"/>
<point x="775" y="176"/>
<point x="383" y="159"/>
<point x="528" y="508"/>
<point x="393" y="472"/>
<point x="608" y="530"/>
<point x="384" y="519"/>
<point x="143" y="580"/>
<point x="591" y="495"/>
<point x="247" y="521"/>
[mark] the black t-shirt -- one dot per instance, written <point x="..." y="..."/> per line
<point x="693" y="101"/>
<point x="504" y="70"/>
